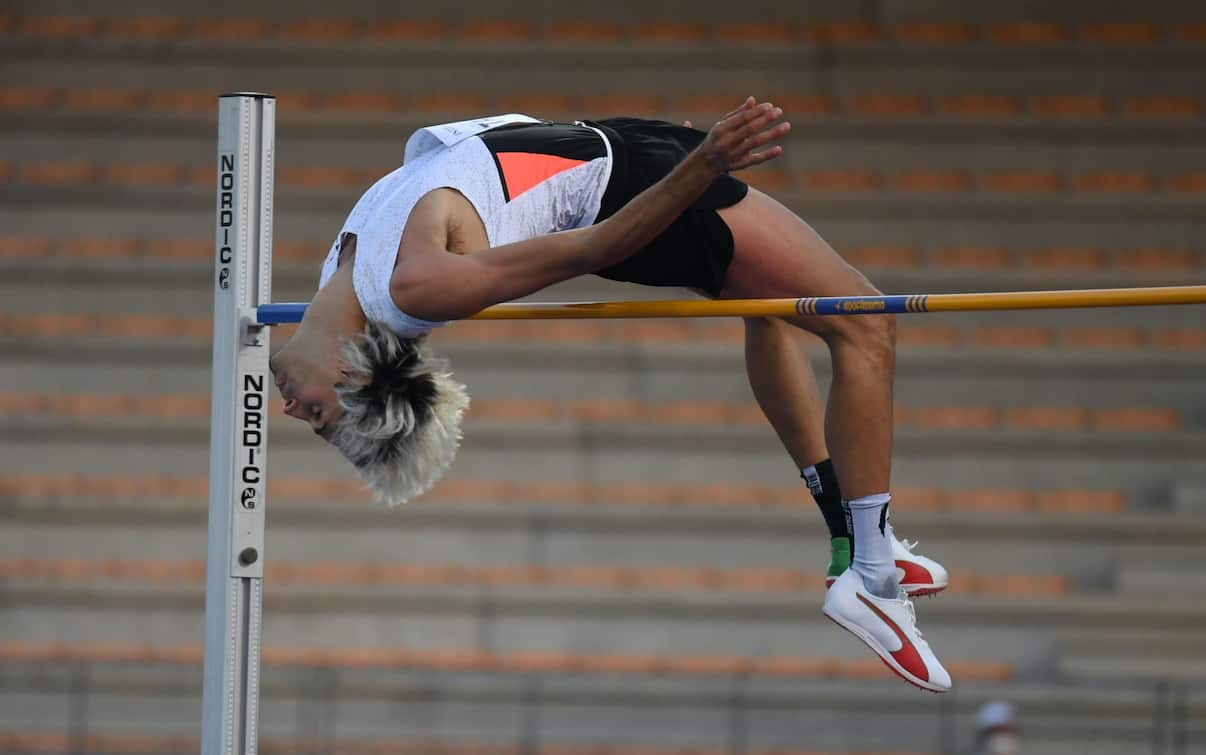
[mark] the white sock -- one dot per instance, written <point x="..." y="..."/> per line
<point x="872" y="545"/>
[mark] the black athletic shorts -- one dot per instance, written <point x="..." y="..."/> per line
<point x="695" y="251"/>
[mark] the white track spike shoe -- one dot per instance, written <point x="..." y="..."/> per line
<point x="889" y="627"/>
<point x="917" y="574"/>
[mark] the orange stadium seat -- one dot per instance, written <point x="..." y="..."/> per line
<point x="293" y="101"/>
<point x="149" y="28"/>
<point x="929" y="336"/>
<point x="61" y="26"/>
<point x="1116" y="182"/>
<point x="1156" y="259"/>
<point x="980" y="105"/>
<point x="768" y="179"/>
<point x="321" y="30"/>
<point x="624" y="104"/>
<point x="1179" y="339"/>
<point x="936" y="32"/>
<point x="1136" y="419"/>
<point x="1046" y="417"/>
<point x="1013" y="336"/>
<point x="840" y="180"/>
<point x="29" y="98"/>
<point x="883" y="256"/>
<point x="182" y="101"/>
<point x="146" y="174"/>
<point x="1163" y="106"/>
<point x="409" y="31"/>
<point x="497" y="31"/>
<point x="569" y="31"/>
<point x="366" y="102"/>
<point x="59" y="174"/>
<point x="1027" y="33"/>
<point x="980" y="258"/>
<point x="1064" y="258"/>
<point x="1101" y="338"/>
<point x="887" y="105"/>
<point x="1022" y="182"/>
<point x="798" y="105"/>
<point x="842" y="32"/>
<point x="542" y="103"/>
<point x="235" y="29"/>
<point x="755" y="33"/>
<point x="930" y="181"/>
<point x="1071" y="106"/>
<point x="1191" y="32"/>
<point x="1119" y="33"/>
<point x="25" y="247"/>
<point x="103" y="99"/>
<point x="672" y="32"/>
<point x="90" y="247"/>
<point x="1187" y="183"/>
<point x="451" y="103"/>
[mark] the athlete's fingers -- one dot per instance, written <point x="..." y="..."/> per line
<point x="770" y="134"/>
<point x="764" y="120"/>
<point x="688" y="124"/>
<point x="757" y="158"/>
<point x="733" y="130"/>
<point x="749" y="102"/>
<point x="759" y="139"/>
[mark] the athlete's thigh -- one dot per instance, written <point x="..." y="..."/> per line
<point x="778" y="255"/>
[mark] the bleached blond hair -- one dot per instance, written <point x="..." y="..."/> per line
<point x="401" y="425"/>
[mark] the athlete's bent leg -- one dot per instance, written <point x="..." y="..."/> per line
<point x="785" y="388"/>
<point x="776" y="254"/>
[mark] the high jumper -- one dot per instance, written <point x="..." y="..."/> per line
<point x="493" y="209"/>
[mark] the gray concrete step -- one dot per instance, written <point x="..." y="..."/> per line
<point x="844" y="220"/>
<point x="501" y="67"/>
<point x="1058" y="719"/>
<point x="1090" y="550"/>
<point x="510" y="620"/>
<point x="821" y="147"/>
<point x="573" y="373"/>
<point x="1135" y="461"/>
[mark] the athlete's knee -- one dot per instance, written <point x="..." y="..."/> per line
<point x="872" y="336"/>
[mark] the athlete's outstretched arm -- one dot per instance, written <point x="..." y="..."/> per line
<point x="433" y="284"/>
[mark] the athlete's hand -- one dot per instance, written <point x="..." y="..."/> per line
<point x="737" y="140"/>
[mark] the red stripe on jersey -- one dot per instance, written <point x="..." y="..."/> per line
<point x="524" y="170"/>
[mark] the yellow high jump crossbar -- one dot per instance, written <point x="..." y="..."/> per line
<point x="275" y="314"/>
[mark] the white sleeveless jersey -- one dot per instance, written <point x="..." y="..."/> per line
<point x="524" y="177"/>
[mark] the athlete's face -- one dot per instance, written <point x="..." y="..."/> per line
<point x="308" y="388"/>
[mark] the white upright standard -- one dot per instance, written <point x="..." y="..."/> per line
<point x="238" y="425"/>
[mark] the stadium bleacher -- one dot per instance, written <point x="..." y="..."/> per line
<point x="621" y="561"/>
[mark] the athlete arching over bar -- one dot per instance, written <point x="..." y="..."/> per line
<point x="490" y="210"/>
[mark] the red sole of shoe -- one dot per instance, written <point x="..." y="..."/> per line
<point x="889" y="665"/>
<point x="921" y="592"/>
